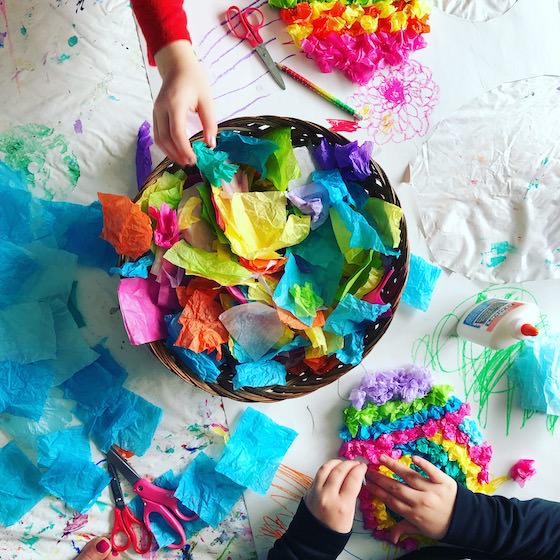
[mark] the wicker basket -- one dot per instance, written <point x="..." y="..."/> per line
<point x="302" y="380"/>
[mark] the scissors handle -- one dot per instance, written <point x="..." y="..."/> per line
<point x="244" y="28"/>
<point x="129" y="530"/>
<point x="164" y="503"/>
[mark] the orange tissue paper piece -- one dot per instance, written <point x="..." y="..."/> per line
<point x="197" y="283"/>
<point x="292" y="321"/>
<point x="125" y="226"/>
<point x="322" y="365"/>
<point x="263" y="266"/>
<point x="202" y="329"/>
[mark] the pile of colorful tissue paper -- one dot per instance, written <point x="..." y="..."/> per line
<point x="356" y="37"/>
<point x="271" y="257"/>
<point x="401" y="413"/>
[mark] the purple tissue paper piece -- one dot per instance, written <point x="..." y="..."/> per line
<point x="143" y="155"/>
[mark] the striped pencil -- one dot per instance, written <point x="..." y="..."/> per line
<point x="320" y="91"/>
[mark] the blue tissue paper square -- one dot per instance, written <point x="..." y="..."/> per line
<point x="421" y="283"/>
<point x="27" y="333"/>
<point x="69" y="442"/>
<point x="261" y="373"/>
<point x="24" y="388"/>
<point x="536" y="370"/>
<point x="16" y="264"/>
<point x="254" y="453"/>
<point x="351" y="314"/>
<point x="161" y="531"/>
<point x="20" y="490"/>
<point x="78" y="482"/>
<point x="207" y="492"/>
<point x="245" y="149"/>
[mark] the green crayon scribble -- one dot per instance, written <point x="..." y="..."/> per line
<point x="484" y="371"/>
<point x="497" y="254"/>
<point x="34" y="150"/>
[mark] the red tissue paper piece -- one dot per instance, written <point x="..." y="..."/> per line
<point x="522" y="471"/>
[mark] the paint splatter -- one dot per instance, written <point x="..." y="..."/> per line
<point x="23" y="30"/>
<point x="72" y="41"/>
<point x="498" y="254"/>
<point x="78" y="127"/>
<point x="3" y="35"/>
<point x="341" y="125"/>
<point x="484" y="371"/>
<point x="77" y="522"/>
<point x="33" y="149"/>
<point x="61" y="58"/>
<point x="29" y="541"/>
<point x="535" y="182"/>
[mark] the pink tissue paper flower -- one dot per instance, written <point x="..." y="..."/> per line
<point x="522" y="471"/>
<point x="166" y="233"/>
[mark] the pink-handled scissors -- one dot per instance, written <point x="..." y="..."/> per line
<point x="156" y="500"/>
<point x="246" y="25"/>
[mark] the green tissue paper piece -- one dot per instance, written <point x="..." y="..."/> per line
<point x="351" y="314"/>
<point x="247" y="150"/>
<point x="168" y="188"/>
<point x="213" y="165"/>
<point x="27" y="333"/>
<point x="207" y="492"/>
<point x="282" y="166"/>
<point x="208" y="213"/>
<point x="306" y="301"/>
<point x="69" y="442"/>
<point x="197" y="262"/>
<point x="78" y="482"/>
<point x="386" y="219"/>
<point x="354" y="418"/>
<point x="254" y="453"/>
<point x="20" y="490"/>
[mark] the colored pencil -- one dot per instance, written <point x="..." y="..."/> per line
<point x="320" y="91"/>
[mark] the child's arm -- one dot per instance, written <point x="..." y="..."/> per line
<point x="323" y="522"/>
<point x="439" y="508"/>
<point x="184" y="86"/>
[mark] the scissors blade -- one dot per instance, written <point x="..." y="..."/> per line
<point x="116" y="486"/>
<point x="122" y="466"/>
<point x="271" y="65"/>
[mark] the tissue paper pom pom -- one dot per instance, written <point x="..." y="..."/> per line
<point x="522" y="471"/>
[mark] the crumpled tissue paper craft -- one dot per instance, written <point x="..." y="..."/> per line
<point x="536" y="371"/>
<point x="77" y="482"/>
<point x="282" y="165"/>
<point x="522" y="471"/>
<point x="167" y="188"/>
<point x="20" y="490"/>
<point x="254" y="452"/>
<point x="213" y="164"/>
<point x="207" y="492"/>
<point x="135" y="269"/>
<point x="430" y="423"/>
<point x="125" y="226"/>
<point x="166" y="233"/>
<point x="352" y="312"/>
<point x="421" y="283"/>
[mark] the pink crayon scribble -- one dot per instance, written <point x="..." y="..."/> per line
<point x="397" y="102"/>
<point x="341" y="125"/>
<point x="77" y="522"/>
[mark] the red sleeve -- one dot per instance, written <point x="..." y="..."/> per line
<point x="162" y="22"/>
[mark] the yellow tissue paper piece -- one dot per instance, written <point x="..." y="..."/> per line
<point x="385" y="8"/>
<point x="375" y="276"/>
<point x="369" y="24"/>
<point x="257" y="223"/>
<point x="168" y="188"/>
<point x="286" y="338"/>
<point x="386" y="219"/>
<point x="189" y="214"/>
<point x="299" y="32"/>
<point x="282" y="165"/>
<point x="322" y="343"/>
<point x="219" y="267"/>
<point x="398" y="21"/>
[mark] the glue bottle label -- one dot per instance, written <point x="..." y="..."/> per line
<point x="488" y="313"/>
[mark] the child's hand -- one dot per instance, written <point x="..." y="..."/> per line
<point x="426" y="504"/>
<point x="332" y="496"/>
<point x="184" y="90"/>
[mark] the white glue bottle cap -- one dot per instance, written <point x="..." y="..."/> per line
<point x="499" y="323"/>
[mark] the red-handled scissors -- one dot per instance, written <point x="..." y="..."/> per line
<point x="246" y="25"/>
<point x="155" y="499"/>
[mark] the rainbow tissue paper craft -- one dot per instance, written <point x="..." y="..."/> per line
<point x="256" y="266"/>
<point x="401" y="413"/>
<point x="356" y="37"/>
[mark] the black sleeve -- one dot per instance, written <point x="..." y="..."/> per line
<point x="308" y="539"/>
<point x="505" y="527"/>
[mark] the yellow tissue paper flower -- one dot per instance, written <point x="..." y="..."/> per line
<point x="299" y="32"/>
<point x="385" y="8"/>
<point x="369" y="24"/>
<point x="257" y="223"/>
<point x="398" y="21"/>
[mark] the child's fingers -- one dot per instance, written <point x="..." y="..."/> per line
<point x="178" y="136"/>
<point x="394" y="487"/>
<point x="412" y="478"/>
<point x="324" y="472"/>
<point x="352" y="484"/>
<point x="206" y="113"/>
<point x="432" y="471"/>
<point x="338" y="475"/>
<point x="162" y="136"/>
<point x="395" y="503"/>
<point x="402" y="528"/>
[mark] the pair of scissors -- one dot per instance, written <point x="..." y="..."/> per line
<point x="246" y="25"/>
<point x="156" y="500"/>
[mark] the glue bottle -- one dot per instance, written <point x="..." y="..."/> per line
<point x="499" y="323"/>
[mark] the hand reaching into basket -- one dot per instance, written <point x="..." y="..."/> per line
<point x="98" y="549"/>
<point x="425" y="503"/>
<point x="184" y="90"/>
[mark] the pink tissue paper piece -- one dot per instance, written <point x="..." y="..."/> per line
<point x="143" y="319"/>
<point x="522" y="471"/>
<point x="166" y="233"/>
